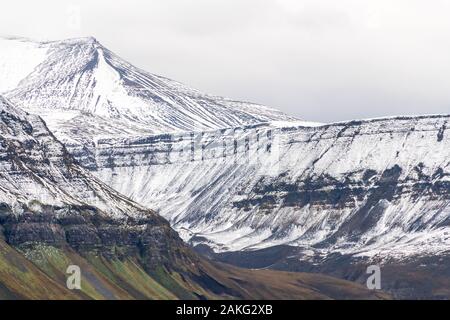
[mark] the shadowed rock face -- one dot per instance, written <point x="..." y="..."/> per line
<point x="86" y="229"/>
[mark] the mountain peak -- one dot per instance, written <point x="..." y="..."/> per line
<point x="79" y="81"/>
<point x="91" y="41"/>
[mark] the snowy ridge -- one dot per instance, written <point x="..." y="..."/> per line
<point x="80" y="82"/>
<point x="34" y="166"/>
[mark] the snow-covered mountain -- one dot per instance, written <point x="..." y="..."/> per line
<point x="77" y="82"/>
<point x="237" y="176"/>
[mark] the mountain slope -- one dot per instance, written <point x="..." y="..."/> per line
<point x="21" y="279"/>
<point x="34" y="165"/>
<point x="79" y="81"/>
<point x="47" y="199"/>
<point x="18" y="59"/>
<point x="40" y="274"/>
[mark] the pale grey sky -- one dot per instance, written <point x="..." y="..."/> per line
<point x="321" y="60"/>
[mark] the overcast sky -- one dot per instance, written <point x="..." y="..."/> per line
<point x="321" y="60"/>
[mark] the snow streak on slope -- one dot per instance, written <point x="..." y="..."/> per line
<point x="35" y="166"/>
<point x="84" y="91"/>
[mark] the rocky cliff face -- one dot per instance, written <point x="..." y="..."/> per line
<point x="48" y="202"/>
<point x="363" y="187"/>
<point x="47" y="198"/>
